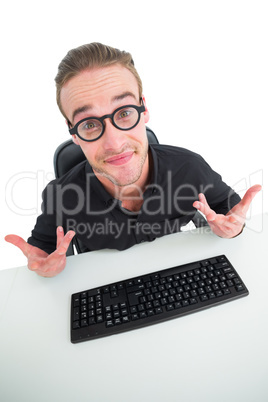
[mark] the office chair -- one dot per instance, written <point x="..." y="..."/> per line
<point x="68" y="155"/>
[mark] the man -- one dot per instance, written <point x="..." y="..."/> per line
<point x="126" y="192"/>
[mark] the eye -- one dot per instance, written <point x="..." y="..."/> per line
<point x="88" y="125"/>
<point x="124" y="113"/>
<point x="90" y="129"/>
<point x="126" y="117"/>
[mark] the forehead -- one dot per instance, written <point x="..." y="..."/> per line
<point x="97" y="87"/>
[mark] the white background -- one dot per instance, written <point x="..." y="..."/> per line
<point x="204" y="67"/>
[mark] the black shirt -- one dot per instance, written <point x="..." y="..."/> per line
<point x="78" y="201"/>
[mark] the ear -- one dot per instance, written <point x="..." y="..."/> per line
<point x="146" y="113"/>
<point x="74" y="137"/>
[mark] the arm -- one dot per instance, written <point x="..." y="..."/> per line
<point x="231" y="224"/>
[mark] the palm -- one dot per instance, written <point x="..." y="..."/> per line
<point x="231" y="224"/>
<point x="42" y="263"/>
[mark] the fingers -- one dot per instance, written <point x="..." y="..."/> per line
<point x="60" y="235"/>
<point x="231" y="224"/>
<point x="222" y="225"/>
<point x="248" y="197"/>
<point x="56" y="261"/>
<point x="203" y="207"/>
<point x="38" y="260"/>
<point x="19" y="242"/>
<point x="64" y="241"/>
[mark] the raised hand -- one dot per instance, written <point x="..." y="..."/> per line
<point x="39" y="261"/>
<point x="231" y="224"/>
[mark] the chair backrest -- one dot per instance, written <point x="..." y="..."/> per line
<point x="68" y="154"/>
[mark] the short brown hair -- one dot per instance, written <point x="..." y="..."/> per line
<point x="89" y="56"/>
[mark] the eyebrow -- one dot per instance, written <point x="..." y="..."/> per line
<point x="115" y="98"/>
<point x="81" y="109"/>
<point x="123" y="96"/>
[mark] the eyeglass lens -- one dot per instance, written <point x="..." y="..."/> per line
<point x="124" y="118"/>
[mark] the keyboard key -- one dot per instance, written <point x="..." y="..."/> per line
<point x="170" y="307"/>
<point x="213" y="261"/>
<point x="76" y="325"/>
<point x="117" y="314"/>
<point x="91" y="321"/>
<point x="141" y="307"/>
<point x="193" y="300"/>
<point x="117" y="321"/>
<point x="221" y="265"/>
<point x="93" y="292"/>
<point x="134" y="298"/>
<point x="108" y="316"/>
<point x="226" y="270"/>
<point x="138" y="281"/>
<point x="99" y="318"/>
<point x="76" y="301"/>
<point x="76" y="313"/>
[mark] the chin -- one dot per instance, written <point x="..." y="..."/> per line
<point x="123" y="179"/>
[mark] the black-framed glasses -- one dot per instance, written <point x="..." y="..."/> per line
<point x="124" y="118"/>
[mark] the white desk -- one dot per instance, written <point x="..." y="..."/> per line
<point x="220" y="354"/>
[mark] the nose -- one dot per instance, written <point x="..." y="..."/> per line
<point x="112" y="138"/>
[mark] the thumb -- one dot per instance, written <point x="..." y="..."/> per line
<point x="249" y="195"/>
<point x="18" y="242"/>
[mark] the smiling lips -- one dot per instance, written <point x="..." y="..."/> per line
<point x="120" y="159"/>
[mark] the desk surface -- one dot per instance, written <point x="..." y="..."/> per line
<point x="219" y="354"/>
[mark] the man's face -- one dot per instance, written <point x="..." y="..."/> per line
<point x="118" y="156"/>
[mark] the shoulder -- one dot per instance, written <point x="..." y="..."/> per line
<point x="184" y="165"/>
<point x="180" y="156"/>
<point x="77" y="173"/>
<point x="76" y="176"/>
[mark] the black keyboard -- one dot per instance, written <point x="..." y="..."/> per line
<point x="153" y="298"/>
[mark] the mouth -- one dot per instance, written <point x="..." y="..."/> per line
<point x="120" y="159"/>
